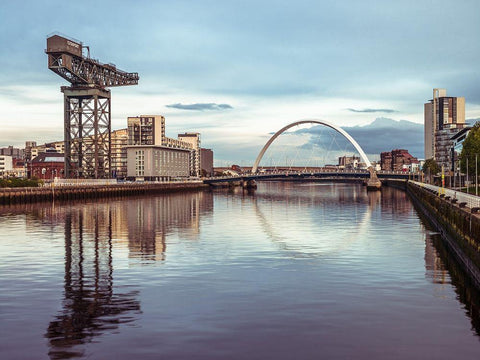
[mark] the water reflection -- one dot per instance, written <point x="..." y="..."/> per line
<point x="90" y="305"/>
<point x="309" y="196"/>
<point x="150" y="220"/>
<point x="326" y="223"/>
<point x="441" y="266"/>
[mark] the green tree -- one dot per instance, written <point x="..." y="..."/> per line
<point x="471" y="149"/>
<point x="431" y="167"/>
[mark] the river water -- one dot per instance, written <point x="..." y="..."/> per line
<point x="290" y="271"/>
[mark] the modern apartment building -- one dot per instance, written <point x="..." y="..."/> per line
<point x="28" y="150"/>
<point x="195" y="162"/>
<point x="444" y="116"/>
<point x="6" y="165"/>
<point x="206" y="161"/>
<point x="150" y="130"/>
<point x="151" y="162"/>
<point x="58" y="146"/>
<point x="146" y="130"/>
<point x="348" y="162"/>
<point x="152" y="155"/>
<point x="15" y="153"/>
<point x="118" y="151"/>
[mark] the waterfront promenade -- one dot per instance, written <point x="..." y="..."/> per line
<point x="89" y="189"/>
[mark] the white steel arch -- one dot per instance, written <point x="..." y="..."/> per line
<point x="321" y="122"/>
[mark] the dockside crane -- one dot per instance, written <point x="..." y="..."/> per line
<point x="87" y="106"/>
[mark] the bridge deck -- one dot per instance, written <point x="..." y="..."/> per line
<point x="306" y="175"/>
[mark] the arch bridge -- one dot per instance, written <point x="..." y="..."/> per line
<point x="370" y="174"/>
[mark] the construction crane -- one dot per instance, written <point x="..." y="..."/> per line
<point x="87" y="106"/>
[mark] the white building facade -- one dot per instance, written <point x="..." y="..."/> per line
<point x="194" y="140"/>
<point x="6" y="165"/>
<point x="157" y="163"/>
<point x="151" y="155"/>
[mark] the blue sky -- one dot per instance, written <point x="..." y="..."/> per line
<point x="235" y="71"/>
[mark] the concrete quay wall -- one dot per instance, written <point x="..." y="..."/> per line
<point x="31" y="195"/>
<point x="459" y="227"/>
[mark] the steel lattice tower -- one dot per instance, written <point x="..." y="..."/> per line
<point x="87" y="108"/>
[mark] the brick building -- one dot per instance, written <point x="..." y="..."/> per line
<point x="398" y="160"/>
<point x="47" y="166"/>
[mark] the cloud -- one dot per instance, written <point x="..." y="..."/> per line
<point x="371" y="110"/>
<point x="472" y="122"/>
<point x="383" y="134"/>
<point x="201" y="106"/>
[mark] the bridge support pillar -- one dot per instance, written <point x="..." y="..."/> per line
<point x="373" y="183"/>
<point x="249" y="184"/>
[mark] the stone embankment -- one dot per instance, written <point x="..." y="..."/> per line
<point x="30" y="195"/>
<point x="458" y="221"/>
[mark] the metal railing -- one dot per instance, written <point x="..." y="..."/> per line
<point x="81" y="182"/>
<point x="108" y="182"/>
<point x="471" y="201"/>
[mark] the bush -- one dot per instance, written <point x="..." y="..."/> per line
<point x="17" y="182"/>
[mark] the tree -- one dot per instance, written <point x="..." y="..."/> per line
<point x="431" y="167"/>
<point x="471" y="148"/>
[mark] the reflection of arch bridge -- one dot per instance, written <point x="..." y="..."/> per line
<point x="370" y="174"/>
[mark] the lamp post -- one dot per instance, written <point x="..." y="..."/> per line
<point x="467" y="183"/>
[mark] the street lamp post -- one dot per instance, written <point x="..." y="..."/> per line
<point x="467" y="183"/>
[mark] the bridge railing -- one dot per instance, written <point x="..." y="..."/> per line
<point x="470" y="200"/>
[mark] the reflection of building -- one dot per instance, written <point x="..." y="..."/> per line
<point x="444" y="117"/>
<point x="150" y="220"/>
<point x="398" y="160"/>
<point x="434" y="264"/>
<point x="206" y="161"/>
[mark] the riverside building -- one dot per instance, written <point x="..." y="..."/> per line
<point x="195" y="158"/>
<point x="206" y="161"/>
<point x="6" y="165"/>
<point x="444" y="116"/>
<point x="151" y="155"/>
<point x="118" y="153"/>
<point x="398" y="160"/>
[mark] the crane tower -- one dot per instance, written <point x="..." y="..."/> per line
<point x="87" y="116"/>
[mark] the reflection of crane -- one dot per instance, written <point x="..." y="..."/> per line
<point x="91" y="305"/>
<point x="87" y="115"/>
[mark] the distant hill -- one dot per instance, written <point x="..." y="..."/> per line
<point x="385" y="134"/>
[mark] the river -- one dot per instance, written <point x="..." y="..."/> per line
<point x="289" y="271"/>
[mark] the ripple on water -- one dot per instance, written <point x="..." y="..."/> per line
<point x="293" y="271"/>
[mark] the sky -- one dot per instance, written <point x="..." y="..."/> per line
<point x="237" y="71"/>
